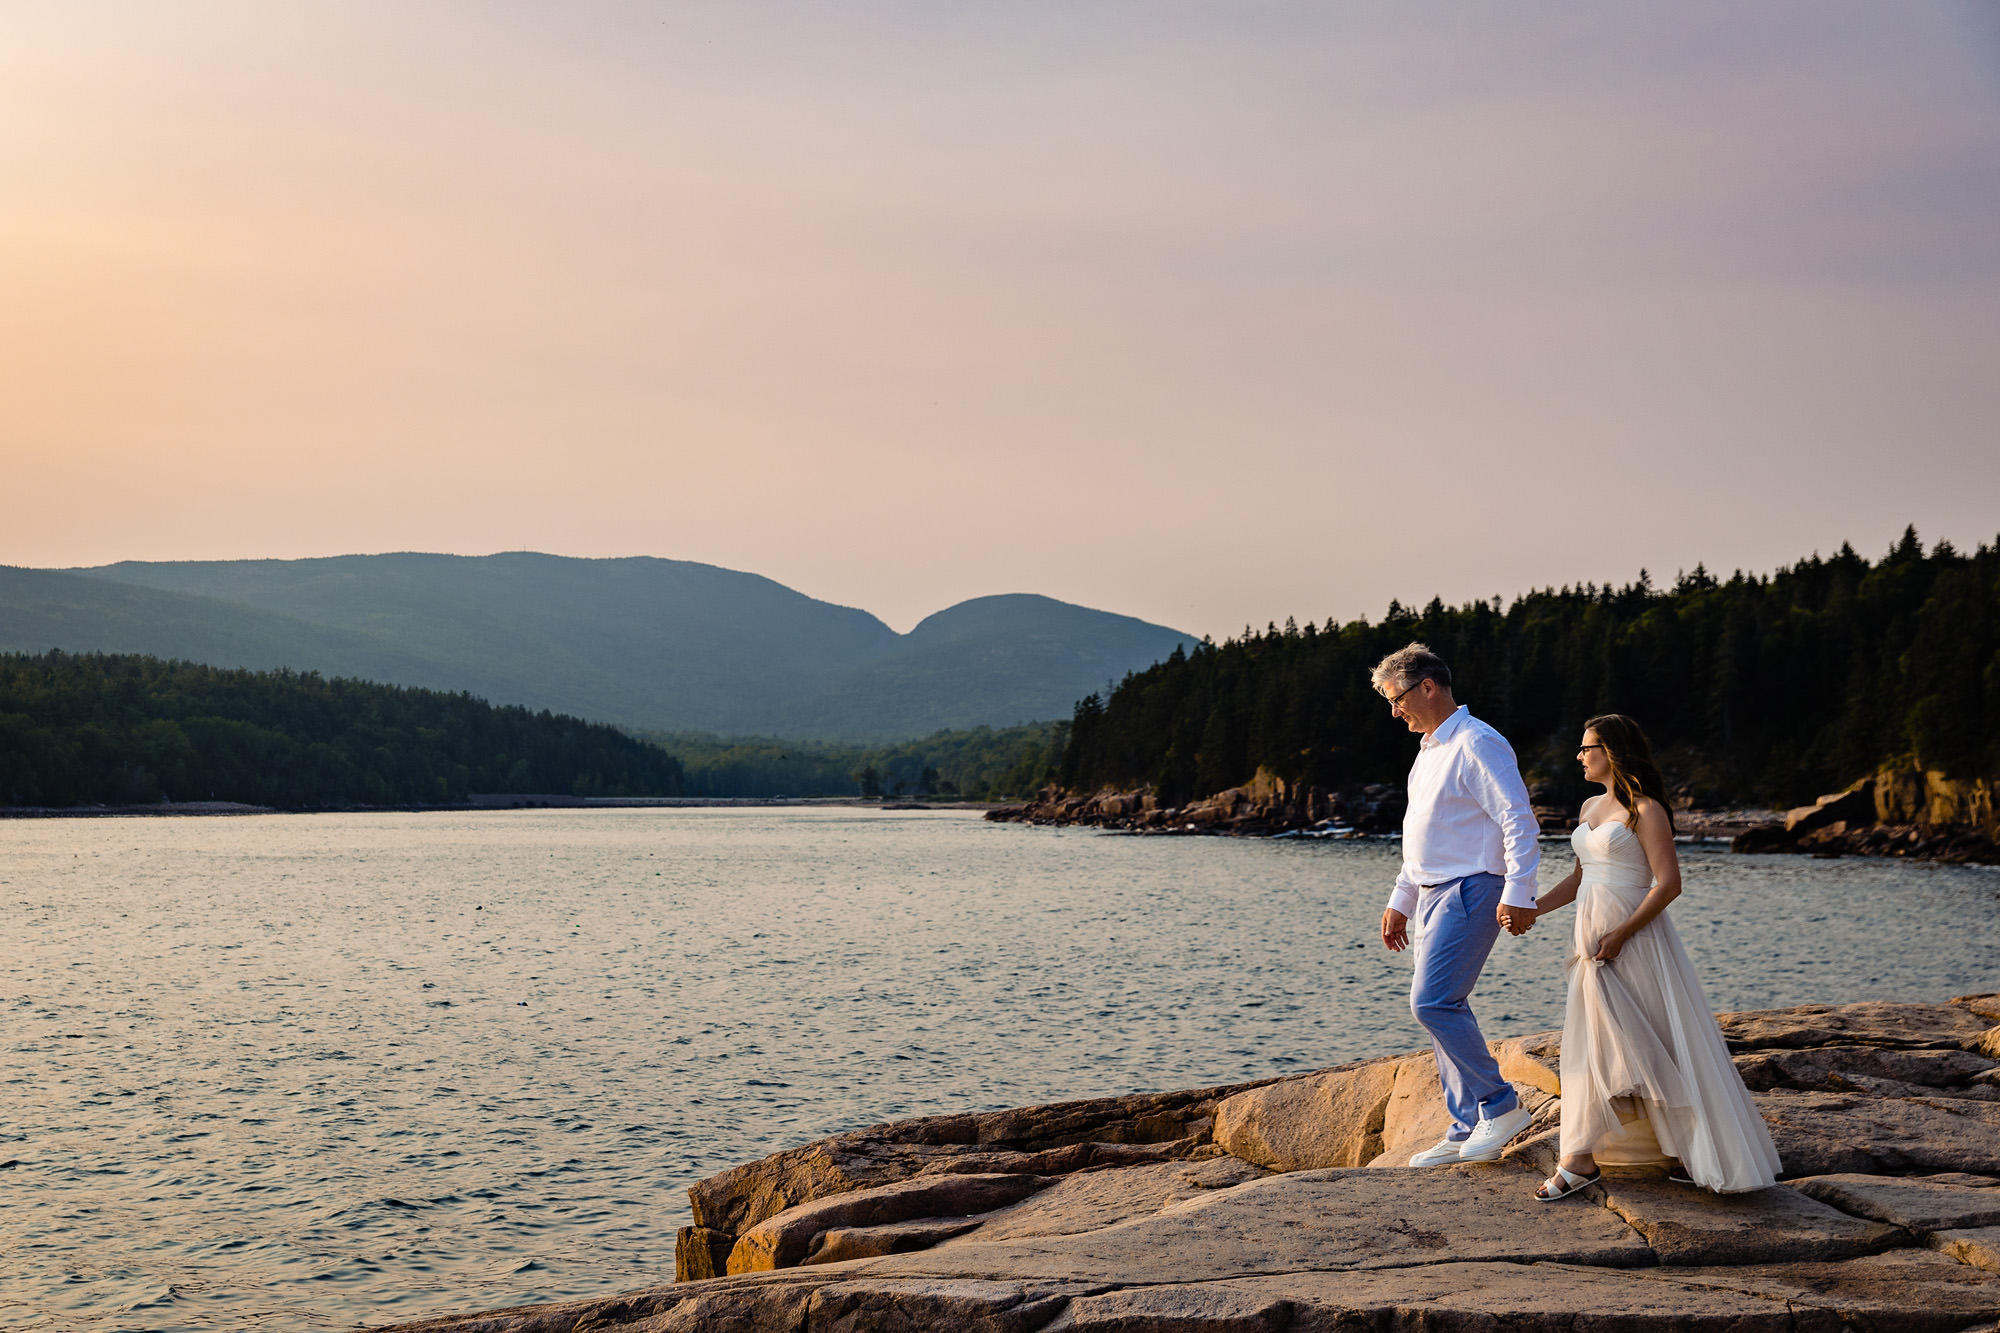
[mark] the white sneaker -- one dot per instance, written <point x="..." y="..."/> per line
<point x="1489" y="1137"/>
<point x="1446" y="1151"/>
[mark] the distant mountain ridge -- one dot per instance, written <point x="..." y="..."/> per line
<point x="665" y="645"/>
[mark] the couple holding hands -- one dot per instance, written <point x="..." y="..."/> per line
<point x="1646" y="1079"/>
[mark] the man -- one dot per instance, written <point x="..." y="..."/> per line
<point x="1469" y="859"/>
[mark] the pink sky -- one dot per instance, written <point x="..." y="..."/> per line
<point x="1206" y="313"/>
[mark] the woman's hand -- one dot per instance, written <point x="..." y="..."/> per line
<point x="1611" y="944"/>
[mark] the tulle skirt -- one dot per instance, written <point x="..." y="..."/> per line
<point x="1645" y="1074"/>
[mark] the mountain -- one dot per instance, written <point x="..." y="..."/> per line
<point x="664" y="645"/>
<point x="45" y="608"/>
<point x="992" y="661"/>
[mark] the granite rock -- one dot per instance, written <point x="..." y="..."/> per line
<point x="1889" y="1087"/>
<point x="1534" y="1061"/>
<point x="1903" y="1291"/>
<point x="1333" y="1118"/>
<point x="840" y="1244"/>
<point x="1917" y="1204"/>
<point x="1879" y="1023"/>
<point x="1445" y="1297"/>
<point x="701" y="1252"/>
<point x="1978" y="1247"/>
<point x="1986" y="1005"/>
<point x="1320" y="1221"/>
<point x="1036" y="1140"/>
<point x="1820" y="1133"/>
<point x="1833" y="1068"/>
<point x="1416" y="1116"/>
<point x="1856" y="805"/>
<point x="1126" y="1214"/>
<point x="1371" y="1113"/>
<point x="1686" y="1226"/>
<point x="1093" y="1200"/>
<point x="794" y="1236"/>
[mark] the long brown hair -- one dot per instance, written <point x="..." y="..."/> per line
<point x="1634" y="774"/>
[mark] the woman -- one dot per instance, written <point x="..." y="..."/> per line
<point x="1645" y="1076"/>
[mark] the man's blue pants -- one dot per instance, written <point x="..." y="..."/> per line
<point x="1455" y="930"/>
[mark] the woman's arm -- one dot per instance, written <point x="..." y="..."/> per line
<point x="1656" y="837"/>
<point x="1563" y="893"/>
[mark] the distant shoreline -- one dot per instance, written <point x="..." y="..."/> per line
<point x="479" y="802"/>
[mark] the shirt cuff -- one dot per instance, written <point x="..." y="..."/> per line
<point x="1518" y="893"/>
<point x="1403" y="900"/>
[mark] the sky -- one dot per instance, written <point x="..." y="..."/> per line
<point x="1210" y="313"/>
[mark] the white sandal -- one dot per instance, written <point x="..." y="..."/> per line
<point x="1564" y="1183"/>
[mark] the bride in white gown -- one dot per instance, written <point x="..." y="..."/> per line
<point x="1645" y="1075"/>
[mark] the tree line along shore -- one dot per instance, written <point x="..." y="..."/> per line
<point x="1761" y="691"/>
<point x="1848" y="692"/>
<point x="132" y="731"/>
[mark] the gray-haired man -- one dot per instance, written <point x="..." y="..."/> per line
<point x="1470" y="854"/>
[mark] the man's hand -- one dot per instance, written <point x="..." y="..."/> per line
<point x="1395" y="930"/>
<point x="1517" y="920"/>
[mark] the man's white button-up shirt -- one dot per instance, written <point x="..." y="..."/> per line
<point x="1468" y="814"/>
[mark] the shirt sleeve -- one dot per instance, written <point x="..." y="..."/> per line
<point x="1403" y="898"/>
<point x="1493" y="777"/>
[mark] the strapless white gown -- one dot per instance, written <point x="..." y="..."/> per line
<point x="1645" y="1074"/>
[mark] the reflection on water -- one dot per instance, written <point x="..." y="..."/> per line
<point x="320" y="1071"/>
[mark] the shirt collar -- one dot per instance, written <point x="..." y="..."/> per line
<point x="1446" y="728"/>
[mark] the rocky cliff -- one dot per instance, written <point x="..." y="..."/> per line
<point x="1899" y="811"/>
<point x="1281" y="1205"/>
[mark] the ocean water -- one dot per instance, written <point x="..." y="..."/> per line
<point x="326" y="1071"/>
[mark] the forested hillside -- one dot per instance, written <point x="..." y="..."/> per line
<point x="122" y="729"/>
<point x="979" y="764"/>
<point x="1765" y="688"/>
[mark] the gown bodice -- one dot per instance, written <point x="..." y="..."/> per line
<point x="1612" y="856"/>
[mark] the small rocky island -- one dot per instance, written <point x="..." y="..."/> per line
<point x="1284" y="1205"/>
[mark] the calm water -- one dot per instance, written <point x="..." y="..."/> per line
<point x="322" y="1071"/>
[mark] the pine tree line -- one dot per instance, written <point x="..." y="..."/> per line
<point x="1767" y="689"/>
<point x="979" y="764"/>
<point x="104" y="729"/>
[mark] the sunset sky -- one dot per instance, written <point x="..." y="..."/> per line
<point x="1207" y="313"/>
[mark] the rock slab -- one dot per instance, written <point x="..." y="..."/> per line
<point x="1126" y="1213"/>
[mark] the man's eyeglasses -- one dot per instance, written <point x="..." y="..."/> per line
<point x="1397" y="701"/>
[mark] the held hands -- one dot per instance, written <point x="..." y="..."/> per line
<point x="1517" y="920"/>
<point x="1395" y="930"/>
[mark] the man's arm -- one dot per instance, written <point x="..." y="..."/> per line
<point x="1494" y="778"/>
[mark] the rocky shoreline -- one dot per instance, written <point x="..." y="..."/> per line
<point x="1900" y="812"/>
<point x="1283" y="1205"/>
